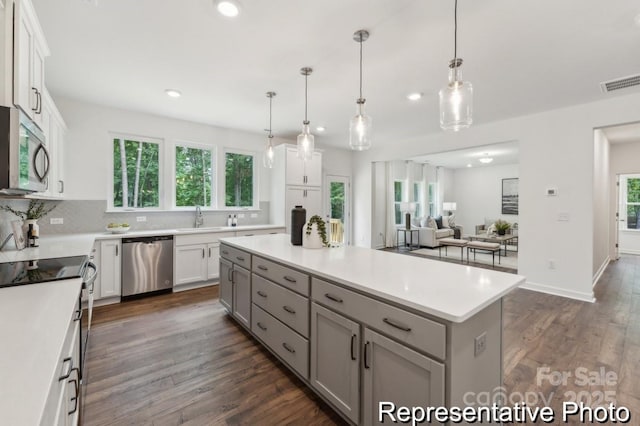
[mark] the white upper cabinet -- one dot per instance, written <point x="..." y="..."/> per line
<point x="29" y="50"/>
<point x="299" y="172"/>
<point x="54" y="129"/>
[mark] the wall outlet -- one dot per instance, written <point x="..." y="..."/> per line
<point x="480" y="344"/>
<point x="141" y="218"/>
<point x="56" y="221"/>
<point x="552" y="192"/>
<point x="563" y="217"/>
<point x="240" y="215"/>
<point x="254" y="215"/>
<point x="552" y="264"/>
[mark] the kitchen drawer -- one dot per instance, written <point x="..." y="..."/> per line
<point x="289" y="307"/>
<point x="252" y="232"/>
<point x="236" y="256"/>
<point x="414" y="330"/>
<point x="290" y="278"/>
<point x="208" y="238"/>
<point x="289" y="345"/>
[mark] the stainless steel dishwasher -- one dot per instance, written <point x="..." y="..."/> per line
<point x="147" y="264"/>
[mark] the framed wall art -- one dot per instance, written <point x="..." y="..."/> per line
<point x="510" y="196"/>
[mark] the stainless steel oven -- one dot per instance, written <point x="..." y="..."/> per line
<point x="24" y="159"/>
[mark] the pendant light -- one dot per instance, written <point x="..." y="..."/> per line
<point x="456" y="98"/>
<point x="305" y="139"/>
<point x="360" y="125"/>
<point x="269" y="153"/>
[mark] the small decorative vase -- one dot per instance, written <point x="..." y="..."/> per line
<point x="313" y="240"/>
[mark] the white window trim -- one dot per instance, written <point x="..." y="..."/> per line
<point x="214" y="177"/>
<point x="223" y="178"/>
<point x="161" y="167"/>
<point x="623" y="201"/>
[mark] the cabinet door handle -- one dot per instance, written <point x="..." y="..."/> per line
<point x="262" y="294"/>
<point x="396" y="324"/>
<point x="66" y="376"/>
<point x="37" y="100"/>
<point x="77" y="392"/>
<point x="366" y="355"/>
<point x="332" y="297"/>
<point x="61" y="190"/>
<point x="262" y="327"/>
<point x="353" y="340"/>
<point x="116" y="250"/>
<point x="290" y="279"/>
<point x="78" y="315"/>
<point x="263" y="268"/>
<point x="209" y="252"/>
<point x="225" y="252"/>
<point x="288" y="348"/>
<point x="288" y="309"/>
<point x="39" y="111"/>
<point x="203" y="253"/>
<point x="230" y="275"/>
<point x="240" y="258"/>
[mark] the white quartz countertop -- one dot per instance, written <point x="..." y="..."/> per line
<point x="34" y="322"/>
<point x="445" y="290"/>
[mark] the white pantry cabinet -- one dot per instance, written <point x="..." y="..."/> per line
<point x="299" y="172"/>
<point x="110" y="267"/>
<point x="30" y="49"/>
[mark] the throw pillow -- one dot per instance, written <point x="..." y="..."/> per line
<point x="431" y="223"/>
<point x="445" y="222"/>
<point x="491" y="229"/>
<point x="452" y="221"/>
<point x="423" y="222"/>
<point x="439" y="222"/>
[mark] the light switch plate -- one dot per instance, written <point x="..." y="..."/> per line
<point x="254" y="215"/>
<point x="552" y="192"/>
<point x="480" y="344"/>
<point x="56" y="221"/>
<point x="563" y="216"/>
<point x="141" y="218"/>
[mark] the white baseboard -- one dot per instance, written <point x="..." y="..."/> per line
<point x="628" y="251"/>
<point x="542" y="288"/>
<point x="191" y="286"/>
<point x="600" y="271"/>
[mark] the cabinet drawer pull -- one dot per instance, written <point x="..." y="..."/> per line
<point x="332" y="297"/>
<point x="262" y="294"/>
<point x="395" y="324"/>
<point x="240" y="258"/>
<point x="353" y="340"/>
<point x="225" y="252"/>
<point x="366" y="353"/>
<point x="288" y="348"/>
<point x="290" y="279"/>
<point x="78" y="315"/>
<point x="288" y="309"/>
<point x="66" y="376"/>
<point x="263" y="268"/>
<point x="262" y="327"/>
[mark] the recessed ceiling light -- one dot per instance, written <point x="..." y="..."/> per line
<point x="321" y="128"/>
<point x="173" y="93"/>
<point x="414" y="96"/>
<point x="486" y="160"/>
<point x="228" y="8"/>
<point x="469" y="165"/>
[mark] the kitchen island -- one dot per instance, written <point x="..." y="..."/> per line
<point x="361" y="326"/>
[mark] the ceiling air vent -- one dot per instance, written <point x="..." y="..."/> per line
<point x="620" y="83"/>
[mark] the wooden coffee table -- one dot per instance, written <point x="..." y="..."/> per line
<point x="501" y="239"/>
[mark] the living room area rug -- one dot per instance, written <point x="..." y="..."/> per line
<point x="482" y="258"/>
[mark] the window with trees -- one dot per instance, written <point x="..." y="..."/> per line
<point x="432" y="199"/>
<point x="418" y="198"/>
<point x="398" y="190"/>
<point x="630" y="200"/>
<point x="239" y="179"/>
<point x="194" y="177"/>
<point x="136" y="173"/>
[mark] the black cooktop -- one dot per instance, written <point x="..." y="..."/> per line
<point x="41" y="270"/>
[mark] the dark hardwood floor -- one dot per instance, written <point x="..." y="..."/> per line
<point x="179" y="359"/>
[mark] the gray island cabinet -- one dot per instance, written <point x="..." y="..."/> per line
<point x="362" y="326"/>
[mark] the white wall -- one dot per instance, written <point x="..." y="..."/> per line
<point x="478" y="194"/>
<point x="624" y="160"/>
<point x="556" y="149"/>
<point x="601" y="206"/>
<point x="335" y="161"/>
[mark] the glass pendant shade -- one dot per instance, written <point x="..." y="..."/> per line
<point x="360" y="130"/>
<point x="456" y="101"/>
<point x="305" y="143"/>
<point x="268" y="155"/>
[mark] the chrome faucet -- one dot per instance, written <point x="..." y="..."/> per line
<point x="199" y="218"/>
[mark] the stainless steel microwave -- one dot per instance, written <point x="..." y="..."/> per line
<point x="24" y="159"/>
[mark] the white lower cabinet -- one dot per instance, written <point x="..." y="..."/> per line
<point x="335" y="360"/>
<point x="213" y="267"/>
<point x="393" y="372"/>
<point x="190" y="264"/>
<point x="110" y="266"/>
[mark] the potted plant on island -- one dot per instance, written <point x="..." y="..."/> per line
<point x="502" y="226"/>
<point x="315" y="235"/>
<point x="37" y="209"/>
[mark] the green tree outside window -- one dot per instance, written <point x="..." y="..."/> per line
<point x="238" y="180"/>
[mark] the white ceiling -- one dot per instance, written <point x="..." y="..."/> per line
<point x="522" y="57"/>
<point x="502" y="153"/>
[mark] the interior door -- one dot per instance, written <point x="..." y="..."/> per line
<point x="337" y="207"/>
